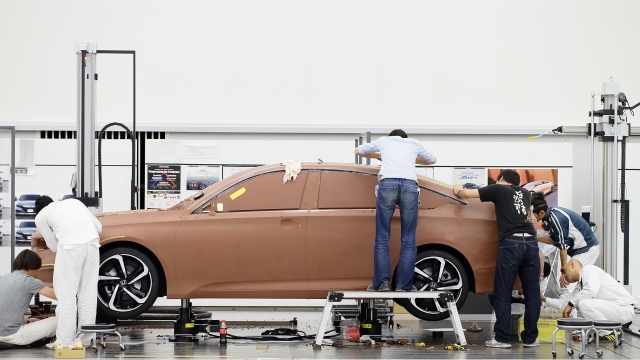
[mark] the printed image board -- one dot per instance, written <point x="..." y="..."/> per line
<point x="162" y="200"/>
<point x="543" y="181"/>
<point x="200" y="177"/>
<point x="232" y="170"/>
<point x="425" y="171"/>
<point x="469" y="178"/>
<point x="163" y="177"/>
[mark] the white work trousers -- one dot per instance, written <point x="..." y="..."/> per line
<point x="75" y="281"/>
<point x="596" y="309"/>
<point x="32" y="332"/>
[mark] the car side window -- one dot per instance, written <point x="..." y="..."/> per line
<point x="259" y="193"/>
<point x="347" y="190"/>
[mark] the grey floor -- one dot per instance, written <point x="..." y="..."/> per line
<point x="151" y="341"/>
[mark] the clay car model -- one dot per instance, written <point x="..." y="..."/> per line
<point x="541" y="186"/>
<point x="26" y="229"/>
<point x="26" y="205"/>
<point x="252" y="236"/>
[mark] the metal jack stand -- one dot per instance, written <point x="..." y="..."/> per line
<point x="186" y="327"/>
<point x="370" y="316"/>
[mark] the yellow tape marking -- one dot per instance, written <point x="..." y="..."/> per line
<point x="43" y="265"/>
<point x="237" y="193"/>
<point x="111" y="238"/>
<point x="366" y="326"/>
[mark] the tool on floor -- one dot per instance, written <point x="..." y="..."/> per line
<point x="370" y="325"/>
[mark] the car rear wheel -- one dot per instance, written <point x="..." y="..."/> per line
<point x="128" y="283"/>
<point x="437" y="270"/>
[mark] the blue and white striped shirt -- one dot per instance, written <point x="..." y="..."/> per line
<point x="569" y="231"/>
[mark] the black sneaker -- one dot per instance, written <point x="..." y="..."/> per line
<point x="383" y="287"/>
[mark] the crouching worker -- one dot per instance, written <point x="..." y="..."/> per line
<point x="16" y="291"/>
<point x="597" y="296"/>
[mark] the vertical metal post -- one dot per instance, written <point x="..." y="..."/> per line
<point x="357" y="161"/>
<point x="12" y="171"/>
<point x="85" y="185"/>
<point x="593" y="136"/>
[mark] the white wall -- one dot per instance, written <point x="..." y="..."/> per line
<point x="321" y="62"/>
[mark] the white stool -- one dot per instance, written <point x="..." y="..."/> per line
<point x="101" y="329"/>
<point x="568" y="325"/>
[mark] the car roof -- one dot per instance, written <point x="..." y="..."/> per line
<point x="333" y="166"/>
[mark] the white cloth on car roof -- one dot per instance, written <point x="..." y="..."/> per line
<point x="291" y="169"/>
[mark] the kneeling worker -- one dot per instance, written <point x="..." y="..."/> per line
<point x="16" y="291"/>
<point x="598" y="296"/>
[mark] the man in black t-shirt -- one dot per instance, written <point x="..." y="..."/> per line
<point x="518" y="254"/>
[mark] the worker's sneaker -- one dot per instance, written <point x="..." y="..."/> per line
<point x="413" y="289"/>
<point x="610" y="336"/>
<point x="383" y="287"/>
<point x="533" y="344"/>
<point x="496" y="344"/>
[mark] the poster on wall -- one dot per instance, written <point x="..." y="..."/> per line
<point x="163" y="177"/>
<point x="232" y="170"/>
<point x="469" y="178"/>
<point x="25" y="157"/>
<point x="200" y="177"/>
<point x="425" y="171"/>
<point x="162" y="200"/>
<point x="544" y="181"/>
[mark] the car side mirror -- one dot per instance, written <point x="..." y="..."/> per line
<point x="16" y="199"/>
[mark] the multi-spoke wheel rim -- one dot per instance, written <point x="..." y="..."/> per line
<point x="435" y="273"/>
<point x="124" y="283"/>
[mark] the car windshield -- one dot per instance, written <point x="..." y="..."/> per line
<point x="27" y="224"/>
<point x="29" y="197"/>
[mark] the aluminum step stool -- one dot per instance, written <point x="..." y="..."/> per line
<point x="101" y="329"/>
<point x="335" y="297"/>
<point x="614" y="326"/>
<point x="568" y="325"/>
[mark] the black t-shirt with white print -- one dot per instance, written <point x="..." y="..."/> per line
<point x="512" y="205"/>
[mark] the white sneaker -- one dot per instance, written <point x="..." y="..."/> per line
<point x="496" y="344"/>
<point x="533" y="344"/>
<point x="51" y="346"/>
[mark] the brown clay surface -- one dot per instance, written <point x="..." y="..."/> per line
<point x="293" y="240"/>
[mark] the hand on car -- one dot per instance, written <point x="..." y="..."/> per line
<point x="567" y="311"/>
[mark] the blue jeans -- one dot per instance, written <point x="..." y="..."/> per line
<point x="517" y="255"/>
<point x="404" y="193"/>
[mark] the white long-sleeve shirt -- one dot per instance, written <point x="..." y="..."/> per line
<point x="68" y="223"/>
<point x="595" y="283"/>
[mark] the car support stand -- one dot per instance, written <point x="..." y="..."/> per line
<point x="370" y="316"/>
<point x="186" y="327"/>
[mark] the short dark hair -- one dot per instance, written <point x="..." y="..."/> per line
<point x="546" y="270"/>
<point x="398" y="132"/>
<point x="538" y="202"/>
<point x="510" y="176"/>
<point x="27" y="260"/>
<point x="42" y="202"/>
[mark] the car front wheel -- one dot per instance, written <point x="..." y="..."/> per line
<point x="437" y="270"/>
<point x="128" y="283"/>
